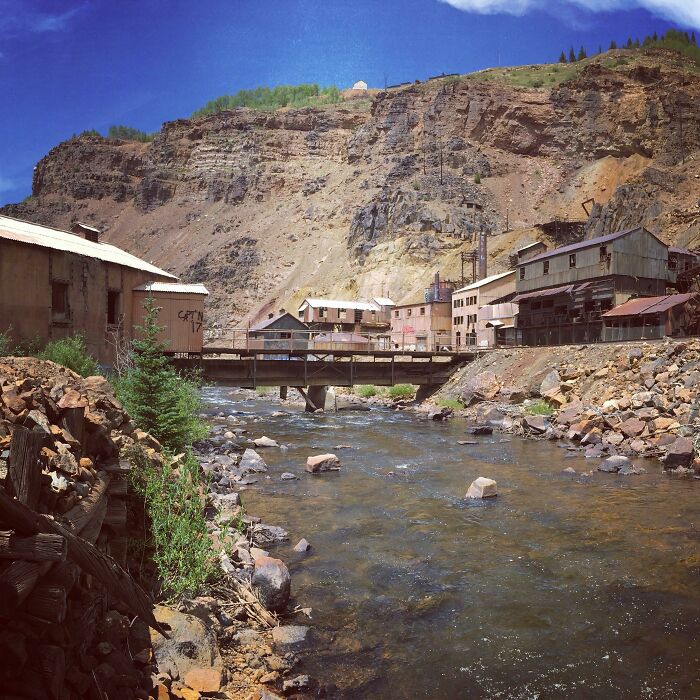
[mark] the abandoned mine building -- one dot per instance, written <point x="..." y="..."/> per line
<point x="55" y="284"/>
<point x="282" y="331"/>
<point x="490" y="299"/>
<point x="346" y="316"/>
<point x="563" y="293"/>
<point x="425" y="325"/>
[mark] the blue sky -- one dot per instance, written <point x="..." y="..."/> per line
<point x="70" y="66"/>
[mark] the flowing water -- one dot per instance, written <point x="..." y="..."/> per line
<point x="561" y="587"/>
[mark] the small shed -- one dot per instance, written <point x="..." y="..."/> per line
<point x="181" y="313"/>
<point x="675" y="315"/>
<point x="281" y="332"/>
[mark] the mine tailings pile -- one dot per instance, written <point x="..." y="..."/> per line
<point x="73" y="623"/>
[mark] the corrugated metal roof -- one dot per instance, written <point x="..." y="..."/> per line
<point x="553" y="291"/>
<point x="338" y="304"/>
<point x="586" y="244"/>
<point x="681" y="251"/>
<point x="384" y="301"/>
<point x="262" y="325"/>
<point x="530" y="245"/>
<point x="485" y="281"/>
<point x="649" y="305"/>
<point x="45" y="237"/>
<point x="172" y="287"/>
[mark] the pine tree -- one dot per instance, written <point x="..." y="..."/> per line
<point x="693" y="40"/>
<point x="157" y="398"/>
<point x="562" y="57"/>
<point x="629" y="43"/>
<point x="655" y="37"/>
<point x="572" y="55"/>
<point x="600" y="49"/>
<point x="636" y="44"/>
<point x="581" y="54"/>
<point x="613" y="45"/>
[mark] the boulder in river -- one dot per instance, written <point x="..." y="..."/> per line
<point x="272" y="583"/>
<point x="251" y="461"/>
<point x="289" y="637"/>
<point x="482" y="488"/>
<point x="302" y="546"/>
<point x="679" y="453"/>
<point x="615" y="464"/>
<point x="439" y="414"/>
<point x="322" y="463"/>
<point x="288" y="476"/>
<point x="265" y="441"/>
<point x="480" y="430"/>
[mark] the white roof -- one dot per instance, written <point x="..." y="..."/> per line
<point x="172" y="287"/>
<point x="45" y="237"/>
<point x="529" y="245"/>
<point x="338" y="304"/>
<point x="384" y="301"/>
<point x="360" y="85"/>
<point x="89" y="228"/>
<point x="486" y="280"/>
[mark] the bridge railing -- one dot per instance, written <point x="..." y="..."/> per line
<point x="272" y="341"/>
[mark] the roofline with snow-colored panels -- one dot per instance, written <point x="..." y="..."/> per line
<point x="27" y="233"/>
<point x="485" y="281"/>
<point x="173" y="287"/>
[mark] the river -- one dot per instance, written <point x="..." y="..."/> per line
<point x="561" y="587"/>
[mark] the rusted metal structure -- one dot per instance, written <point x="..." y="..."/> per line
<point x="672" y="315"/>
<point x="563" y="293"/>
<point x="56" y="283"/>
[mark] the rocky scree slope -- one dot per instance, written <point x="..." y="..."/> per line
<point x="266" y="208"/>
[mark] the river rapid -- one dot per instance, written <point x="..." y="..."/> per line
<point x="561" y="587"/>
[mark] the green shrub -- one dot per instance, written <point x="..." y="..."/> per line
<point x="537" y="83"/>
<point x="264" y="390"/>
<point x="181" y="548"/>
<point x="366" y="391"/>
<point x="128" y="133"/>
<point x="477" y="179"/>
<point x="5" y="343"/>
<point x="401" y="391"/>
<point x="450" y="402"/>
<point x="162" y="402"/>
<point x="72" y="353"/>
<point x="539" y="408"/>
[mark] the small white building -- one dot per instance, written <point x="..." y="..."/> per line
<point x="360" y="85"/>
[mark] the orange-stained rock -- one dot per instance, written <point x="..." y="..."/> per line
<point x="204" y="680"/>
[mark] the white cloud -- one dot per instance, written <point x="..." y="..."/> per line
<point x="18" y="17"/>
<point x="686" y="12"/>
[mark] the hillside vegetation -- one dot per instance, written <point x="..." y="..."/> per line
<point x="304" y="95"/>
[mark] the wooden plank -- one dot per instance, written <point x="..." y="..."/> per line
<point x="116" y="514"/>
<point x="80" y="515"/>
<point x="17" y="582"/>
<point x="47" y="601"/>
<point x="23" y="465"/>
<point x="39" y="547"/>
<point x="16" y="516"/>
<point x="118" y="486"/>
<point x="52" y="668"/>
<point x="73" y="420"/>
<point x="92" y="530"/>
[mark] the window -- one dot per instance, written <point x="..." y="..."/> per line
<point x="59" y="300"/>
<point x="545" y="267"/>
<point x="358" y="315"/>
<point x="113" y="306"/>
<point x="342" y="314"/>
<point x="603" y="253"/>
<point x="301" y="314"/>
<point x="323" y="312"/>
<point x="396" y="313"/>
<point x="572" y="260"/>
<point x="672" y="262"/>
<point x="522" y="273"/>
<point x="408" y="312"/>
<point x="422" y="310"/>
<point x="374" y="316"/>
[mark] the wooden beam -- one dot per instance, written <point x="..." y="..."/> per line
<point x="24" y="467"/>
<point x="39" y="547"/>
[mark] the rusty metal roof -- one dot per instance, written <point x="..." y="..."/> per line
<point x="553" y="291"/>
<point x="586" y="244"/>
<point x="649" y="305"/>
<point x="45" y="237"/>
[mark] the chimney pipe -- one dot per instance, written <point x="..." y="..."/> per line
<point x="483" y="245"/>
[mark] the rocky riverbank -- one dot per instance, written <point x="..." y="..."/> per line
<point x="630" y="400"/>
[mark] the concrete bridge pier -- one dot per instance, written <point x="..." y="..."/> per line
<point x="425" y="391"/>
<point x="319" y="397"/>
<point x="283" y="393"/>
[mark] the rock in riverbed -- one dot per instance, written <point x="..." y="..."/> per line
<point x="615" y="464"/>
<point x="288" y="637"/>
<point x="265" y="441"/>
<point x="482" y="488"/>
<point x="302" y="546"/>
<point x="272" y="583"/>
<point x="322" y="463"/>
<point x="251" y="461"/>
<point x="480" y="430"/>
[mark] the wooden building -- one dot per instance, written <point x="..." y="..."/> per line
<point x="281" y="332"/>
<point x="422" y="326"/>
<point x="351" y="316"/>
<point x="467" y="301"/>
<point x="54" y="284"/>
<point x="563" y="293"/>
<point x="645" y="318"/>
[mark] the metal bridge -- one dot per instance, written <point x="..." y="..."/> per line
<point x="305" y="359"/>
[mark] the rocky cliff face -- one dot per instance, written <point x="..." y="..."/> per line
<point x="266" y="208"/>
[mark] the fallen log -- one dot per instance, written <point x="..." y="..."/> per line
<point x="80" y="515"/>
<point x="17" y="582"/>
<point x="39" y="547"/>
<point x="23" y="465"/>
<point x="47" y="602"/>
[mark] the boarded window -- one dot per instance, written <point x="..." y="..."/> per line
<point x="113" y="307"/>
<point x="572" y="260"/>
<point x="59" y="299"/>
<point x="545" y="267"/>
<point x="603" y="253"/>
<point x="358" y="315"/>
<point x="342" y="314"/>
<point x="522" y="273"/>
